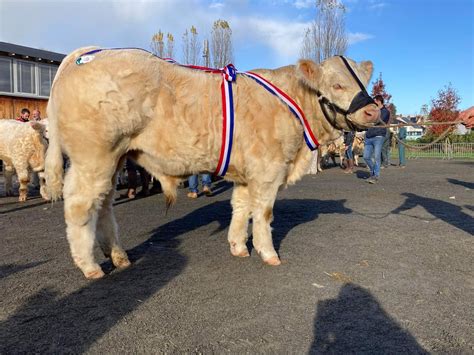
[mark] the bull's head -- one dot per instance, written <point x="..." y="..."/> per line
<point x="339" y="84"/>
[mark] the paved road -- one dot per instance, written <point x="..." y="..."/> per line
<point x="366" y="268"/>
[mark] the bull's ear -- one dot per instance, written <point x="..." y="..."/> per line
<point x="367" y="69"/>
<point x="309" y="72"/>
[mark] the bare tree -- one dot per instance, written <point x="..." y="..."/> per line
<point x="191" y="47"/>
<point x="158" y="46"/>
<point x="169" y="45"/>
<point x="326" y="36"/>
<point x="221" y="44"/>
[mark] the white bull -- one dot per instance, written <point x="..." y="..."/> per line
<point x="170" y="119"/>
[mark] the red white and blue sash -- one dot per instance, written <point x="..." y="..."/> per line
<point x="229" y="75"/>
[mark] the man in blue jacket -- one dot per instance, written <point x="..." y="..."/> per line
<point x="374" y="139"/>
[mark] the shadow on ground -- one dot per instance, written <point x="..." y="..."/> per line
<point x="47" y="322"/>
<point x="445" y="211"/>
<point x="469" y="185"/>
<point x="355" y="323"/>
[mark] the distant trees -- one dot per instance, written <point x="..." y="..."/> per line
<point x="378" y="88"/>
<point x="326" y="36"/>
<point x="191" y="47"/>
<point x="218" y="51"/>
<point x="159" y="47"/>
<point x="444" y="108"/>
<point x="221" y="44"/>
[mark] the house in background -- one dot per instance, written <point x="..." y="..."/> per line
<point x="26" y="75"/>
<point x="413" y="132"/>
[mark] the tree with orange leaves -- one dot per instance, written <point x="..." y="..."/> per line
<point x="444" y="109"/>
<point x="378" y="88"/>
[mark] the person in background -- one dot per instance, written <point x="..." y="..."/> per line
<point x="348" y="142"/>
<point x="132" y="179"/>
<point x="374" y="139"/>
<point x="36" y="115"/>
<point x="386" y="149"/>
<point x="402" y="136"/>
<point x="24" y="115"/>
<point x="193" y="185"/>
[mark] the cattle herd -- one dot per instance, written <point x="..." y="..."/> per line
<point x="168" y="118"/>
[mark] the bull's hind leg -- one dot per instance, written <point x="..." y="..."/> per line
<point x="240" y="220"/>
<point x="107" y="232"/>
<point x="84" y="193"/>
<point x="262" y="199"/>
<point x="9" y="172"/>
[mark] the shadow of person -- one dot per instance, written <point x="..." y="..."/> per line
<point x="10" y="269"/>
<point x="469" y="185"/>
<point x="445" y="211"/>
<point x="51" y="323"/>
<point x="355" y="323"/>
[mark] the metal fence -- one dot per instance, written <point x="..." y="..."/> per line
<point x="444" y="150"/>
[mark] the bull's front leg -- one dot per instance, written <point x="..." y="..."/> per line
<point x="23" y="179"/>
<point x="238" y="235"/>
<point x="263" y="197"/>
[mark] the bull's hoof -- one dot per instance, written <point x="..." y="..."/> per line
<point x="120" y="259"/>
<point x="273" y="261"/>
<point x="241" y="254"/>
<point x="239" y="251"/>
<point x="96" y="274"/>
<point x="22" y="199"/>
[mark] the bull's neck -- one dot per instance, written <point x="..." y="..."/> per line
<point x="286" y="79"/>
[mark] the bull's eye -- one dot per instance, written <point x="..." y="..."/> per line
<point x="337" y="87"/>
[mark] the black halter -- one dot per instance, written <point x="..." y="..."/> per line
<point x="361" y="99"/>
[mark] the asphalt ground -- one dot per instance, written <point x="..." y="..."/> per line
<point x="385" y="268"/>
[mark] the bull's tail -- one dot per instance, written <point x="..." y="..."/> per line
<point x="54" y="158"/>
<point x="169" y="185"/>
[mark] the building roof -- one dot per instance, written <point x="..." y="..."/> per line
<point x="408" y="120"/>
<point x="28" y="52"/>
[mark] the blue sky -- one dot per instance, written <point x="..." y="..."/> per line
<point x="419" y="46"/>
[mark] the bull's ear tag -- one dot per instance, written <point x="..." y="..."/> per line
<point x="84" y="59"/>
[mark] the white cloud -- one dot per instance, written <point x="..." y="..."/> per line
<point x="283" y="37"/>
<point x="216" y="5"/>
<point x="376" y="5"/>
<point x="304" y="4"/>
<point x="356" y="37"/>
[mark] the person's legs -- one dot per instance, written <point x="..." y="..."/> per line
<point x="368" y="151"/>
<point x="206" y="184"/>
<point x="132" y="178"/>
<point x="193" y="186"/>
<point x="377" y="143"/>
<point x="350" y="160"/>
<point x="401" y="154"/>
<point x="385" y="150"/>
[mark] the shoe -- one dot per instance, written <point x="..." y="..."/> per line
<point x="192" y="195"/>
<point x="372" y="180"/>
<point x="402" y="166"/>
<point x="207" y="191"/>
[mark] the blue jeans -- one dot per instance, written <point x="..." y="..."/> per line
<point x="401" y="152"/>
<point x="193" y="182"/>
<point x="349" y="153"/>
<point x="373" y="151"/>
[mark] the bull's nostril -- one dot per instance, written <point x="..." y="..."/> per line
<point x="368" y="113"/>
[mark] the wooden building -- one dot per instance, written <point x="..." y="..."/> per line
<point x="26" y="75"/>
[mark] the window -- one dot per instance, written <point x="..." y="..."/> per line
<point x="46" y="76"/>
<point x="6" y="78"/>
<point x="26" y="78"/>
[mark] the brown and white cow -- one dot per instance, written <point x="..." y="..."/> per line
<point x="169" y="117"/>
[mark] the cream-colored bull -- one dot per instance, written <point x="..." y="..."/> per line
<point x="170" y="118"/>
